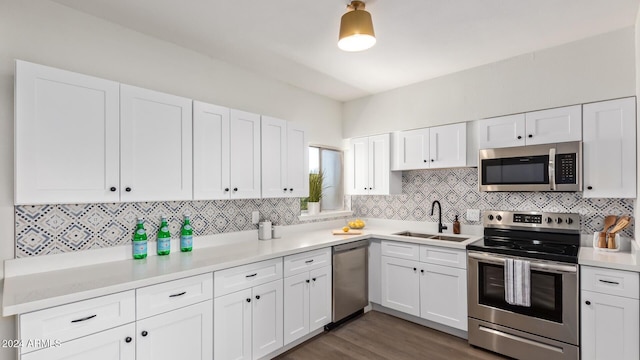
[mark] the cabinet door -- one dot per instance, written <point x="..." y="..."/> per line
<point x="609" y="327"/>
<point x="156" y="145"/>
<point x="609" y="149"/>
<point x="296" y="307"/>
<point x="274" y="158"/>
<point x="443" y="295"/>
<point x="245" y="155"/>
<point x="503" y="131"/>
<point x="448" y="146"/>
<point x="106" y="345"/>
<point x="401" y="285"/>
<point x="267" y="318"/>
<point x="232" y="326"/>
<point x="379" y="164"/>
<point x="297" y="161"/>
<point x="412" y="149"/>
<point x="66" y="137"/>
<point x="210" y="151"/>
<point x="357" y="167"/>
<point x="554" y="125"/>
<point x="320" y="297"/>
<point x="186" y="333"/>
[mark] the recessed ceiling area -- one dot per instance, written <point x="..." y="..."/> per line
<point x="295" y="41"/>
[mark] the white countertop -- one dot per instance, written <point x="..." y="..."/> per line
<point x="37" y="283"/>
<point x="627" y="260"/>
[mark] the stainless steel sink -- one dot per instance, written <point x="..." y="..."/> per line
<point x="432" y="236"/>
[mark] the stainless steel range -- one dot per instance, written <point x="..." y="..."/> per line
<point x="546" y="326"/>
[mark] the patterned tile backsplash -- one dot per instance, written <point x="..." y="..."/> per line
<point x="457" y="190"/>
<point x="51" y="229"/>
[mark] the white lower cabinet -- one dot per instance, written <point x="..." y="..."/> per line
<point x="248" y="323"/>
<point x="113" y="344"/>
<point x="401" y="285"/>
<point x="185" y="333"/>
<point x="443" y="295"/>
<point x="307" y="303"/>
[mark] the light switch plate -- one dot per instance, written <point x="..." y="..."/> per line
<point x="255" y="217"/>
<point x="473" y="214"/>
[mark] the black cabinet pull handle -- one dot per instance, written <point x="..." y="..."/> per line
<point x="519" y="137"/>
<point x="145" y="333"/>
<point x="235" y="189"/>
<point x="307" y="281"/>
<point x="128" y="339"/>
<point x="248" y="300"/>
<point x="530" y="136"/>
<point x="252" y="275"/>
<point x="589" y="187"/>
<point x="226" y="189"/>
<point x="588" y="302"/>
<point x="609" y="282"/>
<point x="84" y="318"/>
<point x="127" y="189"/>
<point x="113" y="188"/>
<point x="257" y="297"/>
<point x="178" y="294"/>
<point x="308" y="261"/>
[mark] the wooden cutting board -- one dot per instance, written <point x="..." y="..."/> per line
<point x="351" y="232"/>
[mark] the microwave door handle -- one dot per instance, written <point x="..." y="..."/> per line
<point x="552" y="168"/>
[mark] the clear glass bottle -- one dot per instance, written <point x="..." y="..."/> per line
<point x="186" y="235"/>
<point x="140" y="240"/>
<point x="164" y="238"/>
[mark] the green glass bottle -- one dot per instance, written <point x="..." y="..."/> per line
<point x="186" y="235"/>
<point x="140" y="241"/>
<point x="164" y="238"/>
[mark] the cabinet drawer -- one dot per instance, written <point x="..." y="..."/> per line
<point x="156" y="299"/>
<point x="70" y="321"/>
<point x="299" y="263"/>
<point x="401" y="250"/>
<point x="609" y="281"/>
<point x="443" y="256"/>
<point x="246" y="276"/>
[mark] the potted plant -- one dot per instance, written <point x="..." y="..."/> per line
<point x="315" y="192"/>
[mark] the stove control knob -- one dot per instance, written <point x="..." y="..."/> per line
<point x="490" y="217"/>
<point x="559" y="220"/>
<point x="549" y="220"/>
<point x="569" y="221"/>
<point x="498" y="217"/>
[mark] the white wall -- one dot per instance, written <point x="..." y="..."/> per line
<point x="637" y="48"/>
<point x="44" y="32"/>
<point x="597" y="68"/>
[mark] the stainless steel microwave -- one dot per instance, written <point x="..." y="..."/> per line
<point x="547" y="167"/>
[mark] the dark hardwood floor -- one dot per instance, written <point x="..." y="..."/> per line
<point x="378" y="336"/>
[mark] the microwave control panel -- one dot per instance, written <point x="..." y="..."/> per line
<point x="566" y="169"/>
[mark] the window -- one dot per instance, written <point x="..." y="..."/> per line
<point x="330" y="161"/>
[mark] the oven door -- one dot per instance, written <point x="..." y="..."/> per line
<point x="554" y="297"/>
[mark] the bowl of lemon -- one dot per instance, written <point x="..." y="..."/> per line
<point x="356" y="224"/>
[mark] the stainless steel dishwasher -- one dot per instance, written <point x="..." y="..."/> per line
<point x="350" y="279"/>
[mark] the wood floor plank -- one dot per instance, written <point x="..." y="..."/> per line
<point x="378" y="336"/>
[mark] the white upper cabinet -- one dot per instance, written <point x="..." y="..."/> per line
<point x="448" y="146"/>
<point x="156" y="145"/>
<point x="226" y="153"/>
<point x="532" y="128"/>
<point x="210" y="151"/>
<point x="368" y="167"/>
<point x="609" y="148"/>
<point x="66" y="137"/>
<point x="245" y="155"/>
<point x="412" y="149"/>
<point x="284" y="159"/>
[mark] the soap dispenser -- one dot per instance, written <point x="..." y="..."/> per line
<point x="456" y="226"/>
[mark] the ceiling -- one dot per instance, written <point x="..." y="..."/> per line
<point x="295" y="41"/>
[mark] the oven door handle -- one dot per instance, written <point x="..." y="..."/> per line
<point x="542" y="266"/>
<point x="552" y="168"/>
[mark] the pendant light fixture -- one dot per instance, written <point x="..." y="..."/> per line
<point x="356" y="28"/>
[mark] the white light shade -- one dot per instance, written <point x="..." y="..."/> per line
<point x="356" y="29"/>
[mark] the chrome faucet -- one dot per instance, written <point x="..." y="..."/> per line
<point x="440" y="226"/>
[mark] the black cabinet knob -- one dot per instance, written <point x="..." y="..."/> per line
<point x="257" y="297"/>
<point x="235" y="189"/>
<point x="370" y="188"/>
<point x="248" y="300"/>
<point x="422" y="271"/>
<point x="128" y="339"/>
<point x="530" y="136"/>
<point x="589" y="187"/>
<point x="519" y="137"/>
<point x="127" y="189"/>
<point x="588" y="302"/>
<point x="365" y="188"/>
<point x="425" y="160"/>
<point x="226" y="189"/>
<point x="285" y="189"/>
<point x="432" y="160"/>
<point x="290" y="189"/>
<point x="113" y="188"/>
<point x="145" y="333"/>
<point x="307" y="281"/>
<point x="314" y="279"/>
<point x="414" y="269"/>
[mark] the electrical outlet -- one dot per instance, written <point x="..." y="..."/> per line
<point x="473" y="214"/>
<point x="255" y="217"/>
